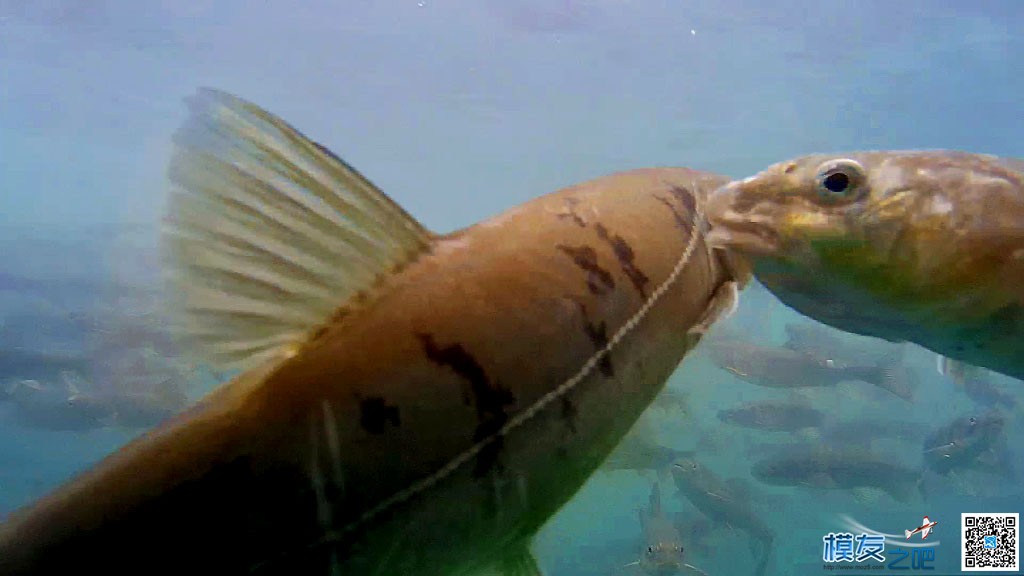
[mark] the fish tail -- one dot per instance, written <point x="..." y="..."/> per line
<point x="764" y="554"/>
<point x="897" y="380"/>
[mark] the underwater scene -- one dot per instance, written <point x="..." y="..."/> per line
<point x="511" y="287"/>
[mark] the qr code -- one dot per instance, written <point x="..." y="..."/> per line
<point x="990" y="542"/>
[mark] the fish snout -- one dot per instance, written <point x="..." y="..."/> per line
<point x="735" y="226"/>
<point x="663" y="559"/>
<point x="719" y="205"/>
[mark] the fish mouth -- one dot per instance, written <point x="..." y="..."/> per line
<point x="663" y="565"/>
<point x="733" y="230"/>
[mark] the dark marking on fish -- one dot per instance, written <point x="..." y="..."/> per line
<point x="685" y="198"/>
<point x="624" y="253"/>
<point x="599" y="280"/>
<point x="569" y="413"/>
<point x="490" y="399"/>
<point x="681" y="222"/>
<point x="598" y="334"/>
<point x="570" y="212"/>
<point x="375" y="414"/>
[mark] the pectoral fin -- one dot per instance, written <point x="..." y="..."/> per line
<point x="722" y="305"/>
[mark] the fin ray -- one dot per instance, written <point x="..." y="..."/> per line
<point x="269" y="233"/>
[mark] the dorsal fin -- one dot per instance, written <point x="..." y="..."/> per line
<point x="268" y="233"/>
<point x="655" y="500"/>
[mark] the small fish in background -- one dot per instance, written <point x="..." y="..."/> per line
<point x="970" y="442"/>
<point x="922" y="246"/>
<point x="820" y="467"/>
<point x="977" y="383"/>
<point x="725" y="502"/>
<point x="147" y="409"/>
<point x="773" y="416"/>
<point x="672" y="403"/>
<point x="142" y="386"/>
<point x="59" y="407"/>
<point x="640" y="452"/>
<point x="781" y="367"/>
<point x="843" y="349"/>
<point x="661" y="545"/>
<point x="862" y="432"/>
<point x="28" y="364"/>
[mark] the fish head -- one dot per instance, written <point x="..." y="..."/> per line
<point x="87" y="406"/>
<point x="663" y="558"/>
<point x="983" y="429"/>
<point x="869" y="242"/>
<point x="686" y="466"/>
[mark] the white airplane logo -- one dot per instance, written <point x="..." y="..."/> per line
<point x="925" y="528"/>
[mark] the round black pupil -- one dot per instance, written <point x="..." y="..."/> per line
<point x="837" y="182"/>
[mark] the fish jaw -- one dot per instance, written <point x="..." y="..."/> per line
<point x="773" y="214"/>
<point x="661" y="563"/>
<point x="737" y="230"/>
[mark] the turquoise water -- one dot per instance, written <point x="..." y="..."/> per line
<point x="459" y="110"/>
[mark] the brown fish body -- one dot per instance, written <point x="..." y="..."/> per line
<point x="920" y="246"/>
<point x="433" y="426"/>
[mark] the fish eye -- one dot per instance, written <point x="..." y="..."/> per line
<point x="650" y="549"/>
<point x="840" y="180"/>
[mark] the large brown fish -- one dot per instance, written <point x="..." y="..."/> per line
<point x="919" y="246"/>
<point x="412" y="403"/>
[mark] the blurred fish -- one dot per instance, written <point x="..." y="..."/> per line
<point x="968" y="442"/>
<point x="772" y="415"/>
<point x="861" y="432"/>
<point x="919" y="246"/>
<point x="56" y="407"/>
<point x="673" y="403"/>
<point x="976" y="383"/>
<point x="24" y="364"/>
<point x="411" y="403"/>
<point x="146" y="409"/>
<point x="725" y="502"/>
<point x="661" y="549"/>
<point x="779" y="367"/>
<point x="821" y="341"/>
<point x="639" y="451"/>
<point x="985" y="393"/>
<point x="839" y="469"/>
